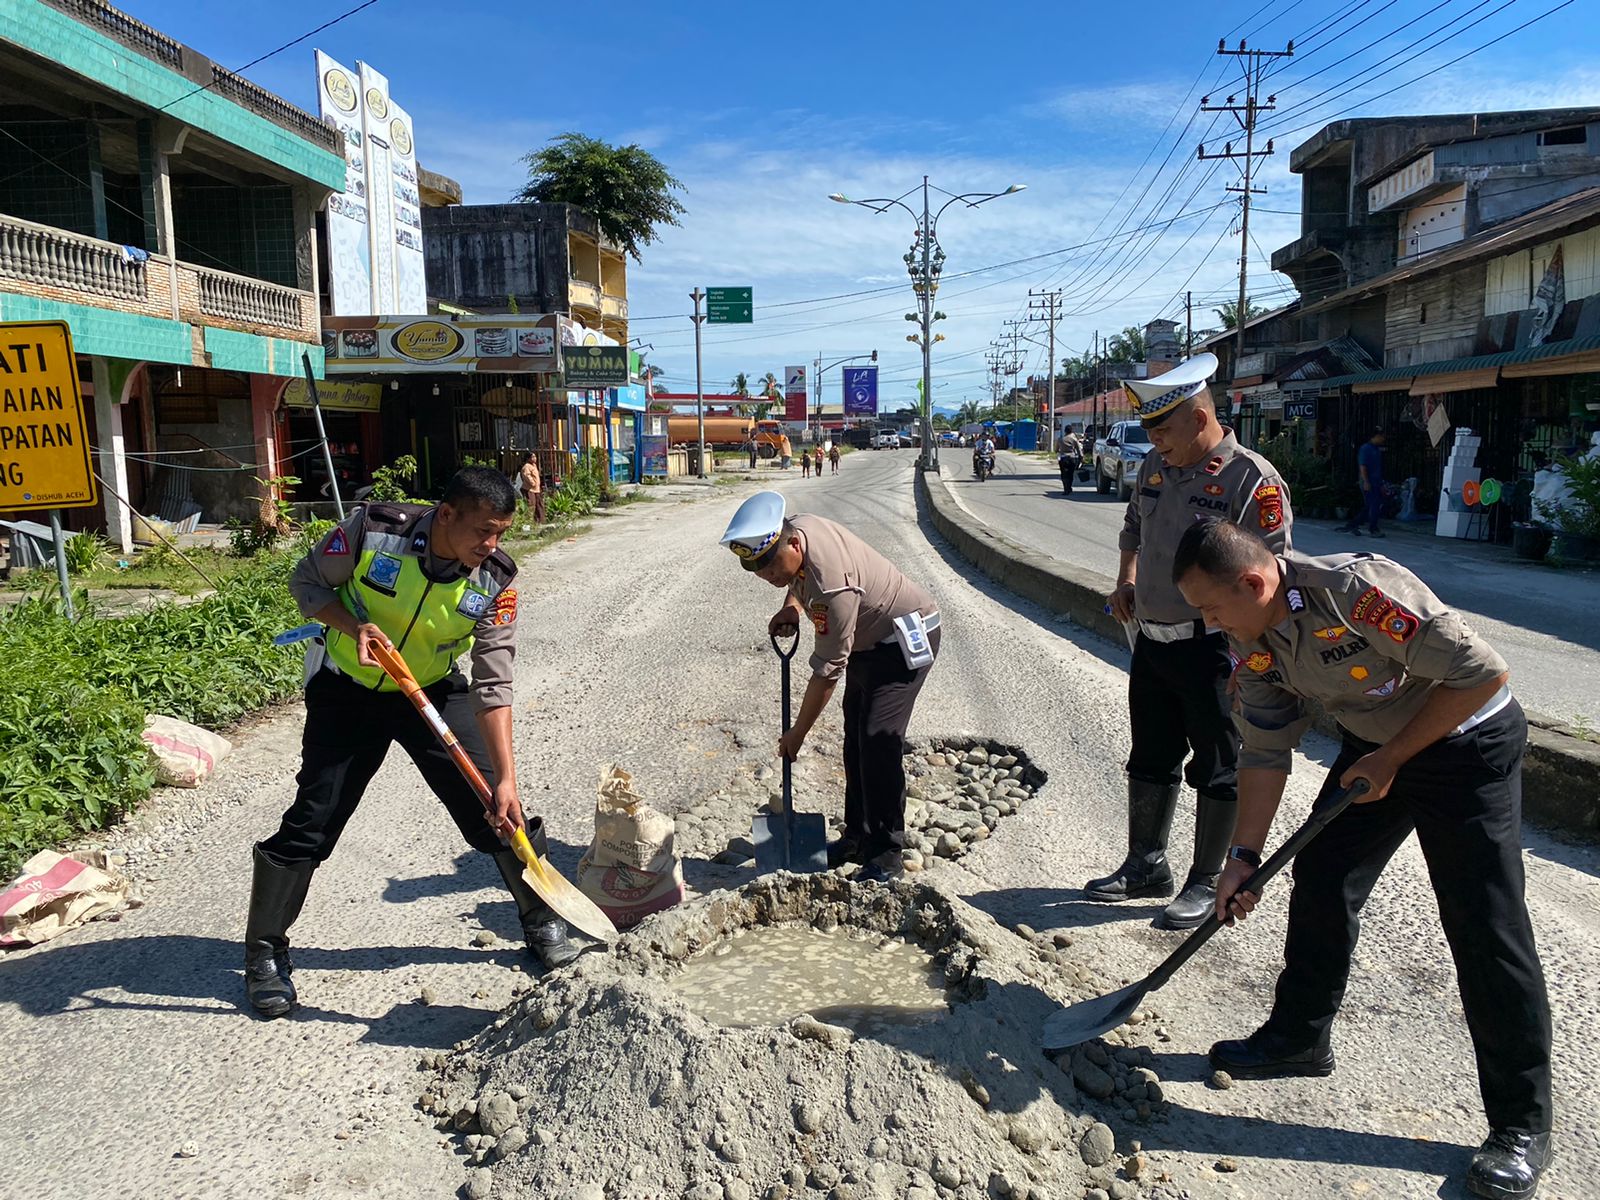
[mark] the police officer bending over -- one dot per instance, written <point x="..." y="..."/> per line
<point x="875" y="627"/>
<point x="431" y="583"/>
<point x="1177" y="697"/>
<point x="1430" y="723"/>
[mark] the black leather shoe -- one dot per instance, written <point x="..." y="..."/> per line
<point x="844" y="850"/>
<point x="1508" y="1165"/>
<point x="1256" y="1057"/>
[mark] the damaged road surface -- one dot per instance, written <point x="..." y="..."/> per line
<point x="430" y="1058"/>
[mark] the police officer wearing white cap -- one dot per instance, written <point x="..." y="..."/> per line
<point x="1177" y="687"/>
<point x="872" y="625"/>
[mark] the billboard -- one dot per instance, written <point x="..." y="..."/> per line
<point x="861" y="391"/>
<point x="794" y="394"/>
<point x="375" y="258"/>
<point x="510" y="343"/>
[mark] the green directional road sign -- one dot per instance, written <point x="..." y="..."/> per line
<point x="730" y="306"/>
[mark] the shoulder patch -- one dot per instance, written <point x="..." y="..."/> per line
<point x="1297" y="602"/>
<point x="419" y="543"/>
<point x="338" y="545"/>
<point x="505" y="606"/>
<point x="1269" y="506"/>
<point x="819" y="617"/>
<point x="1375" y="609"/>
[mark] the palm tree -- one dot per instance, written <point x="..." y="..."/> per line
<point x="625" y="189"/>
<point x="1228" y="314"/>
<point x="1127" y="346"/>
<point x="649" y="372"/>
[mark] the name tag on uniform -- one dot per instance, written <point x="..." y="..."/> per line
<point x="911" y="631"/>
<point x="473" y="604"/>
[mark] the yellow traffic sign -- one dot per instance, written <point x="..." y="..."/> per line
<point x="45" y="457"/>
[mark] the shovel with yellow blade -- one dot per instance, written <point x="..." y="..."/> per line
<point x="552" y="887"/>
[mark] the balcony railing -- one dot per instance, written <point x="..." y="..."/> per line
<point x="246" y="94"/>
<point x="69" y="261"/>
<point x="41" y="260"/>
<point x="583" y="294"/>
<point x="134" y="34"/>
<point x="248" y="301"/>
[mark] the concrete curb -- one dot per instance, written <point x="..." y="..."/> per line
<point x="1560" y="775"/>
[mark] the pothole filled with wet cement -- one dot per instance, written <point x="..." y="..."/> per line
<point x="603" y="1081"/>
<point x="770" y="975"/>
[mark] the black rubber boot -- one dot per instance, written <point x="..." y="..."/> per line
<point x="277" y="894"/>
<point x="1508" y="1165"/>
<point x="547" y="936"/>
<point x="1145" y="871"/>
<point x="1213" y="834"/>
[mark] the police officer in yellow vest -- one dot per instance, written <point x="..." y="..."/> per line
<point x="431" y="583"/>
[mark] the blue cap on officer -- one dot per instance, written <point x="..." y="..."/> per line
<point x="754" y="532"/>
<point x="1152" y="398"/>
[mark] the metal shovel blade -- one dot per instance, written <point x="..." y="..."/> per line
<point x="790" y="842"/>
<point x="565" y="900"/>
<point x="1089" y="1019"/>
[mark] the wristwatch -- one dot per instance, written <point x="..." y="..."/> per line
<point x="1245" y="855"/>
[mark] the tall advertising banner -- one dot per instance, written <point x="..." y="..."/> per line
<point x="861" y="391"/>
<point x="794" y="394"/>
<point x="376" y="263"/>
<point x="349" y="247"/>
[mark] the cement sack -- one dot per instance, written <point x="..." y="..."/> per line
<point x="184" y="754"/>
<point x="631" y="869"/>
<point x="56" y="892"/>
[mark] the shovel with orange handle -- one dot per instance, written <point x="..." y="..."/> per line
<point x="551" y="886"/>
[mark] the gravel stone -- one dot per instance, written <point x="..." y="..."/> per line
<point x="1097" y="1145"/>
<point x="1221" y="1080"/>
<point x="945" y="1172"/>
<point x="807" y="1118"/>
<point x="1227" y="1165"/>
<point x="1093" y="1080"/>
<point x="497" y="1114"/>
<point x="510" y="1142"/>
<point x="484" y="937"/>
<point x="480" y="1183"/>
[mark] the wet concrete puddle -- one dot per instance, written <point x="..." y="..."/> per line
<point x="767" y="975"/>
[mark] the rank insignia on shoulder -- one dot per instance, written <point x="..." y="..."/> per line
<point x="1331" y="634"/>
<point x="338" y="545"/>
<point x="1385" y="689"/>
<point x="1297" y="602"/>
<point x="1214" y="465"/>
<point x="419" y="543"/>
<point x="1259" y="661"/>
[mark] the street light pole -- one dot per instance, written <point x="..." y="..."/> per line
<point x="930" y="452"/>
<point x="699" y="386"/>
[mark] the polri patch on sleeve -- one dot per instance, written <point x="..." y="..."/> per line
<point x="505" y="607"/>
<point x="819" y="617"/>
<point x="473" y="604"/>
<point x="338" y="545"/>
<point x="1269" y="506"/>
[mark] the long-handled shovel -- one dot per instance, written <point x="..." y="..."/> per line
<point x="787" y="840"/>
<point x="1078" y="1023"/>
<point x="552" y="887"/>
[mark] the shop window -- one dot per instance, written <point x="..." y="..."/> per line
<point x="1572" y="135"/>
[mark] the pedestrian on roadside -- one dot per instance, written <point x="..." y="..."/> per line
<point x="1428" y="720"/>
<point x="431" y="582"/>
<point x="750" y="449"/>
<point x="805" y="464"/>
<point x="1177" y="686"/>
<point x="1369" y="466"/>
<point x="1069" y="459"/>
<point x="785" y="450"/>
<point x="833" y="457"/>
<point x="532" y="486"/>
<point x="873" y="626"/>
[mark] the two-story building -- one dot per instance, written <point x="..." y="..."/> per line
<point x="164" y="208"/>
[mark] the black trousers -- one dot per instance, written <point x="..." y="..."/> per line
<point x="1067" y="472"/>
<point x="1178" y="703"/>
<point x="879" y="693"/>
<point x="348" y="730"/>
<point x="1463" y="796"/>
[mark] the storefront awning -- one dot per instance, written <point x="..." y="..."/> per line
<point x="1389" y="383"/>
<point x="1573" y="356"/>
<point x="1455" y="381"/>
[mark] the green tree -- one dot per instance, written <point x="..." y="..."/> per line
<point x="741" y="386"/>
<point x="626" y="189"/>
<point x="1078" y="366"/>
<point x="1127" y="346"/>
<point x="1228" y="314"/>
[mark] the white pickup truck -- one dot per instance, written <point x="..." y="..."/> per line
<point x="1117" y="457"/>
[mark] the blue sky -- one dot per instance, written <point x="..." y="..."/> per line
<point x="762" y="110"/>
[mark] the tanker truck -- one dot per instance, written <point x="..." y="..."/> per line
<point x="725" y="433"/>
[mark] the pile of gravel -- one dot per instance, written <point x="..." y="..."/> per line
<point x="958" y="793"/>
<point x="601" y="1084"/>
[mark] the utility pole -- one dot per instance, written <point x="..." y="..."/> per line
<point x="1099" y="370"/>
<point x="1014" y="362"/>
<point x="699" y="386"/>
<point x="1049" y="303"/>
<point x="1246" y="115"/>
<point x="1188" y="324"/>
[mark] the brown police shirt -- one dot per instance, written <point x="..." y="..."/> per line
<point x="1231" y="483"/>
<point x="318" y="576"/>
<point x="1364" y="637"/>
<point x="850" y="593"/>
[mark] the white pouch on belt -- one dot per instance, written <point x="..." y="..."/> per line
<point x="911" y="631"/>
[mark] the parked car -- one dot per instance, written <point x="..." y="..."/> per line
<point x="910" y="441"/>
<point x="887" y="440"/>
<point x="1117" y="457"/>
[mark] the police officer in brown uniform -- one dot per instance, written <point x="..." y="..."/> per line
<point x="1177" y="686"/>
<point x="431" y="583"/>
<point x="1429" y="722"/>
<point x="873" y="626"/>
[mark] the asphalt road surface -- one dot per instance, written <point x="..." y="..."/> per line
<point x="642" y="643"/>
<point x="1545" y="622"/>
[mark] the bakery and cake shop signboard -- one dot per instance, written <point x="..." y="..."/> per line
<point x="508" y="343"/>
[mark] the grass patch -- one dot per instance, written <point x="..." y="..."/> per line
<point x="156" y="568"/>
<point x="71" y="756"/>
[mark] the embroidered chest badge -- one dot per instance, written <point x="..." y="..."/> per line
<point x="1215" y="489"/>
<point x="1259" y="661"/>
<point x="819" y="617"/>
<point x="473" y="604"/>
<point x="1331" y="634"/>
<point x="1385" y="689"/>
<point x="1359" y="673"/>
<point x="1155" y="479"/>
<point x="384" y="571"/>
